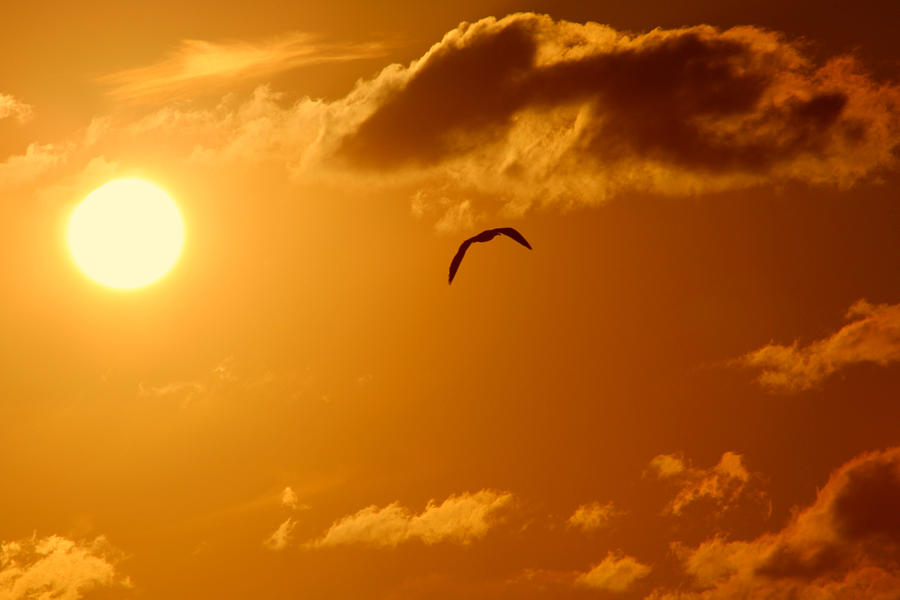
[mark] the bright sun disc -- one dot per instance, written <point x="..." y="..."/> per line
<point x="126" y="233"/>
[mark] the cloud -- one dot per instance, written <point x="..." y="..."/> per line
<point x="187" y="392"/>
<point x="282" y="536"/>
<point x="615" y="574"/>
<point x="506" y="114"/>
<point x="461" y="518"/>
<point x="593" y="516"/>
<point x="453" y="214"/>
<point x="10" y="107"/>
<point x="23" y="169"/>
<point x="872" y="336"/>
<point x="667" y="465"/>
<point x="528" y="101"/>
<point x="289" y="498"/>
<point x="226" y="381"/>
<point x="721" y="484"/>
<point x="842" y="546"/>
<point x="198" y="63"/>
<point x="56" y="567"/>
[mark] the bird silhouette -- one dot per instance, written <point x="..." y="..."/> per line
<point x="484" y="236"/>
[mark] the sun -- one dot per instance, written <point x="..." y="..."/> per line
<point x="126" y="234"/>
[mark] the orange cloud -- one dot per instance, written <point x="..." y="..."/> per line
<point x="721" y="484"/>
<point x="593" y="516"/>
<point x="23" y="169"/>
<point x="203" y="63"/>
<point x="460" y="518"/>
<point x="56" y="567"/>
<point x="10" y="107"/>
<point x="281" y="537"/>
<point x="289" y="498"/>
<point x="225" y="382"/>
<point x="874" y="336"/>
<point x="842" y="546"/>
<point x="615" y="573"/>
<point x="520" y="111"/>
<point x="528" y="99"/>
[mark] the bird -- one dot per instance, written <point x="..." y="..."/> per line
<point x="484" y="236"/>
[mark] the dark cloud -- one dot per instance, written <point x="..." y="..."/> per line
<point x="461" y="93"/>
<point x="845" y="545"/>
<point x="855" y="517"/>
<point x="868" y="506"/>
<point x="526" y="110"/>
<point x="741" y="105"/>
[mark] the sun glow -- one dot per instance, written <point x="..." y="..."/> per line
<point x="126" y="233"/>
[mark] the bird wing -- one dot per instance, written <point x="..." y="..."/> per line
<point x="484" y="236"/>
<point x="457" y="259"/>
<point x="509" y="231"/>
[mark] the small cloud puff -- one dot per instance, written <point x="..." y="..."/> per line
<point x="10" y="107"/>
<point x="289" y="498"/>
<point x="615" y="573"/>
<point x="593" y="516"/>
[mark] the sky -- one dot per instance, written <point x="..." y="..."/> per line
<point x="687" y="389"/>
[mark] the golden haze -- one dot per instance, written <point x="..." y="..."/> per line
<point x="687" y="389"/>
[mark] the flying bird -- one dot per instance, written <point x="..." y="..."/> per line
<point x="484" y="236"/>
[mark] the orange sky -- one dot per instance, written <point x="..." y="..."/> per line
<point x="686" y="391"/>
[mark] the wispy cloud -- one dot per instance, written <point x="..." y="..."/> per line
<point x="460" y="518"/>
<point x="225" y="381"/>
<point x="282" y="536"/>
<point x="213" y="64"/>
<point x="23" y="169"/>
<point x="57" y="567"/>
<point x="872" y="336"/>
<point x="10" y="107"/>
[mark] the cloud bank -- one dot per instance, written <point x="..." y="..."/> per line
<point x="522" y="111"/>
<point x="528" y="100"/>
<point x="872" y="336"/>
<point x="461" y="518"/>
